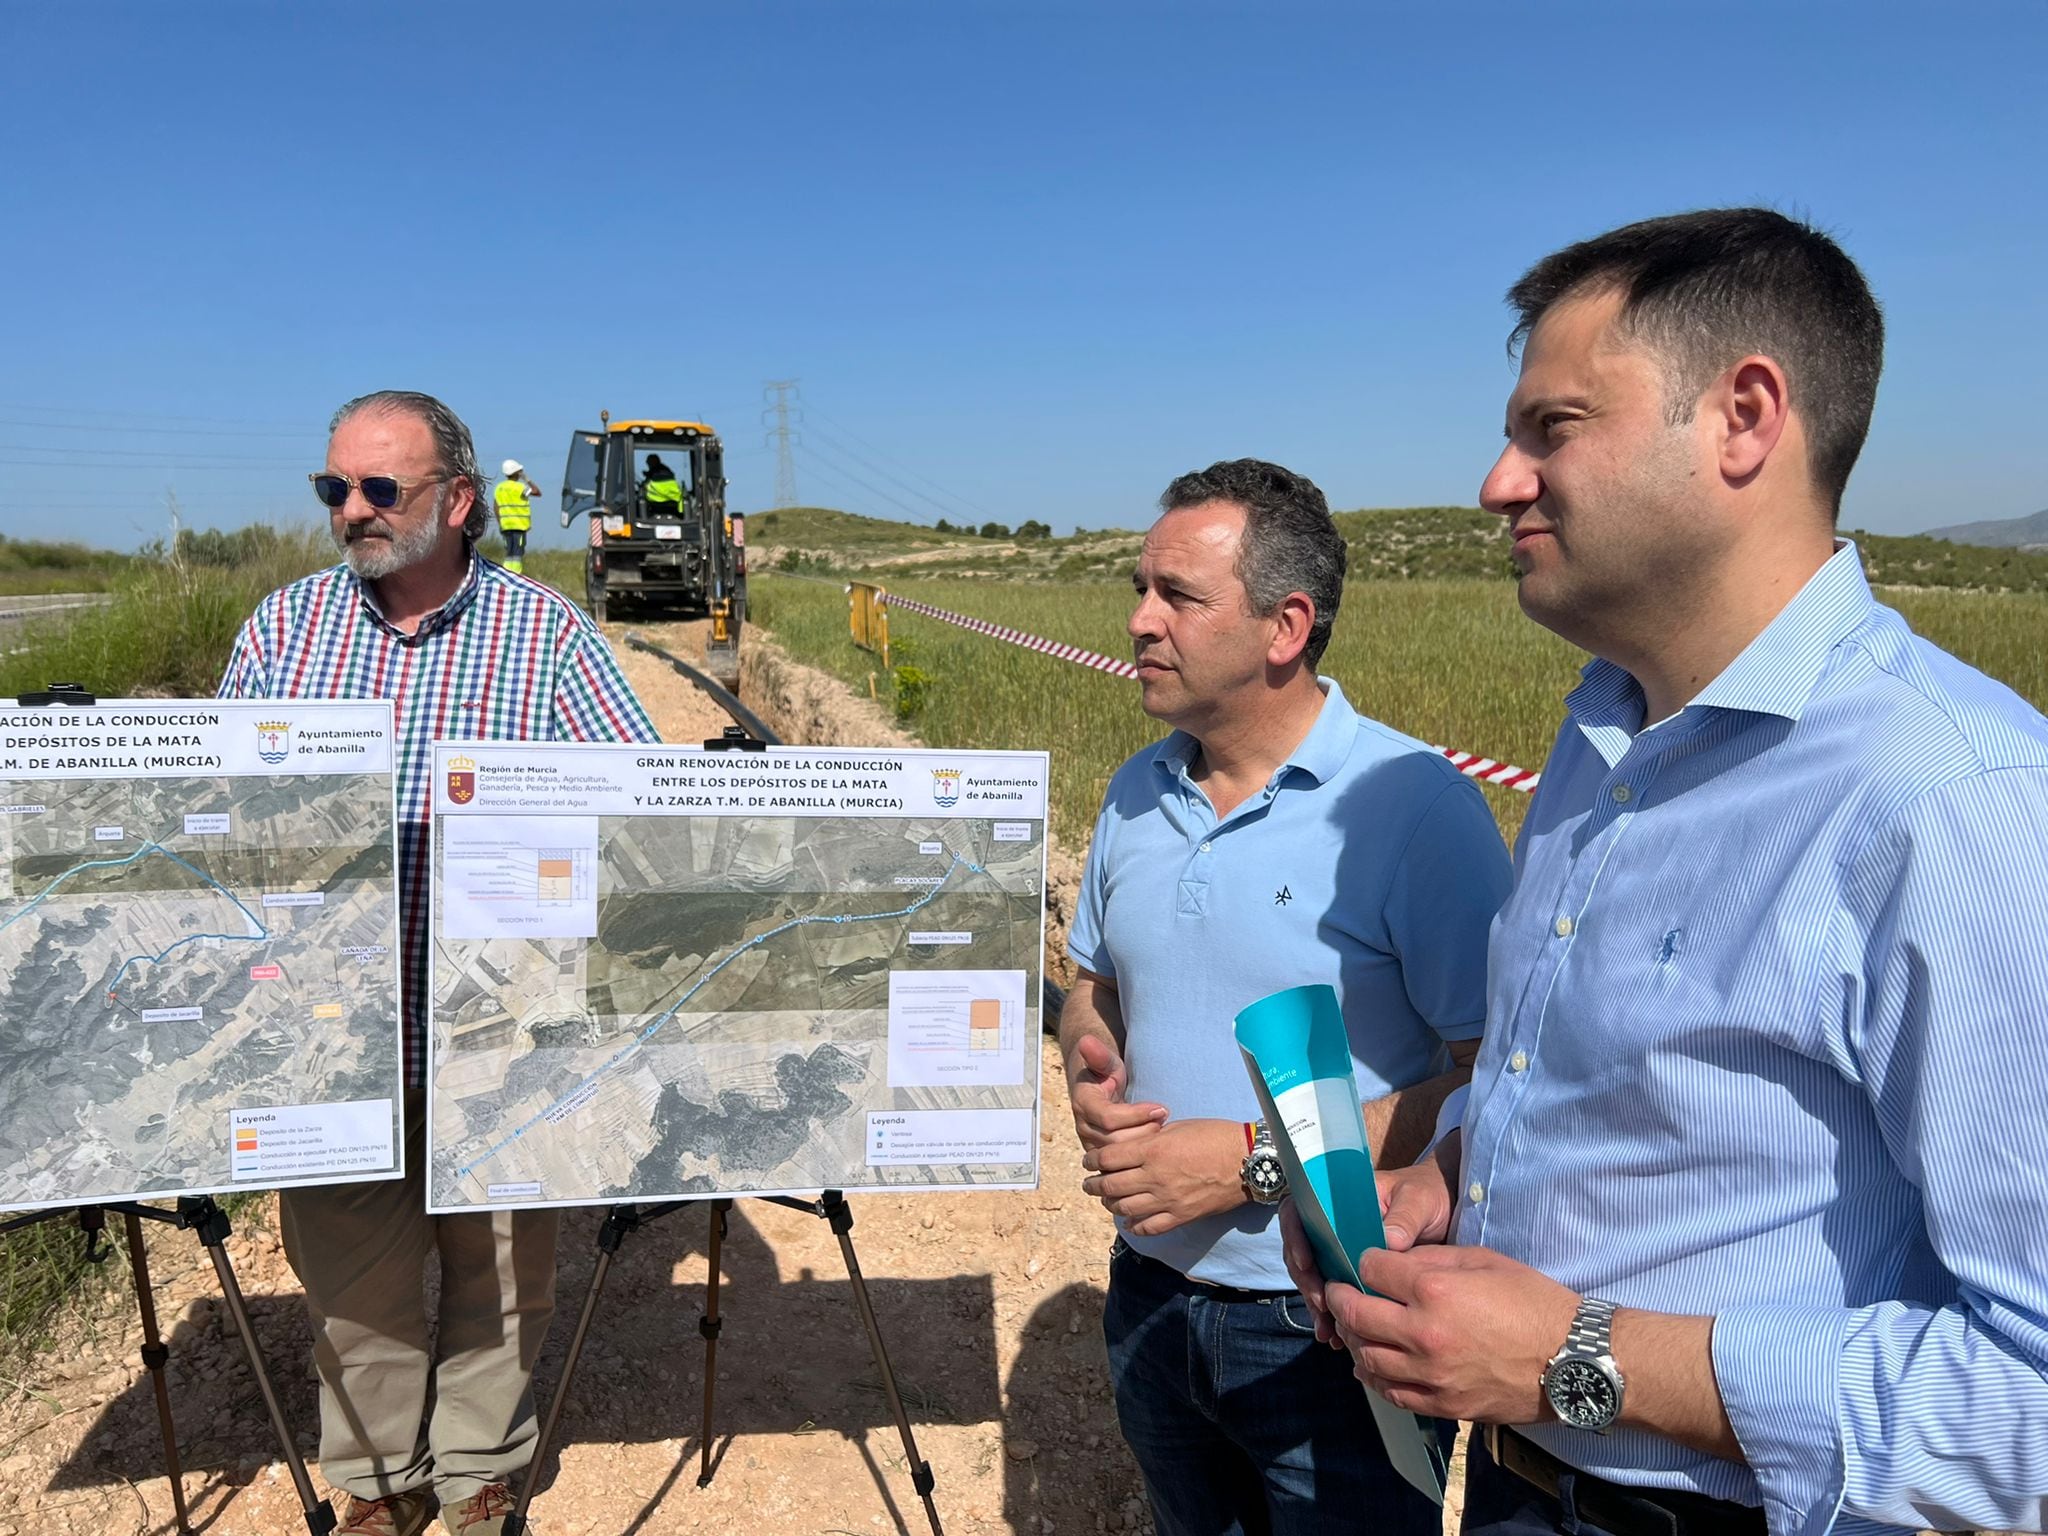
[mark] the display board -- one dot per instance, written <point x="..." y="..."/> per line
<point x="661" y="972"/>
<point x="199" y="940"/>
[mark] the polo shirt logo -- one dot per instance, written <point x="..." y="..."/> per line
<point x="1282" y="896"/>
<point x="1194" y="898"/>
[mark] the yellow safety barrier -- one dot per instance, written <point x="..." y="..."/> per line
<point x="868" y="617"/>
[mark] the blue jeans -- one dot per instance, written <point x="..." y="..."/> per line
<point x="1500" y="1503"/>
<point x="1241" y="1422"/>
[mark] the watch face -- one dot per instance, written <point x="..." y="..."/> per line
<point x="1265" y="1175"/>
<point x="1582" y="1394"/>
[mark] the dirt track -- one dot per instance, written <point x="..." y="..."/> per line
<point x="990" y="1305"/>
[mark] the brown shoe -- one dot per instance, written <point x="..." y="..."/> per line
<point x="399" y="1514"/>
<point x="481" y="1514"/>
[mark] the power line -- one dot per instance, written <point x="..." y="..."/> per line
<point x="153" y="455"/>
<point x="945" y="509"/>
<point x="130" y="429"/>
<point x="785" y="467"/>
<point x="954" y="496"/>
<point x="249" y="466"/>
<point x="870" y="488"/>
<point x="133" y="416"/>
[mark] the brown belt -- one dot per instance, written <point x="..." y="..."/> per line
<point x="1610" y="1506"/>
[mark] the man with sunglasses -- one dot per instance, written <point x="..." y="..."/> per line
<point x="462" y="648"/>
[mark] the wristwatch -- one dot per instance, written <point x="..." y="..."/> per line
<point x="1262" y="1174"/>
<point x="1582" y="1381"/>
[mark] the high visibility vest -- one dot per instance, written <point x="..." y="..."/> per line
<point x="515" y="514"/>
<point x="670" y="490"/>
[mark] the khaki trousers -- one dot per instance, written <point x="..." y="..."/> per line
<point x="360" y="1252"/>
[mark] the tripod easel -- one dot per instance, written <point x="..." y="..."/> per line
<point x="830" y="1207"/>
<point x="623" y="1219"/>
<point x="199" y="1215"/>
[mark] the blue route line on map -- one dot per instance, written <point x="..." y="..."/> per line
<point x="150" y="846"/>
<point x="646" y="1034"/>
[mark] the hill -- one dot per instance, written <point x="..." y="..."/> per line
<point x="823" y="540"/>
<point x="2002" y="533"/>
<point x="36" y="565"/>
<point x="1386" y="544"/>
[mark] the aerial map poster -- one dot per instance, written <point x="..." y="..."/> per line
<point x="199" y="945"/>
<point x="662" y="972"/>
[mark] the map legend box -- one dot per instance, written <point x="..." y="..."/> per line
<point x="909" y="1138"/>
<point x="310" y="1141"/>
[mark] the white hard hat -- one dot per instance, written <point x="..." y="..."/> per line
<point x="512" y="467"/>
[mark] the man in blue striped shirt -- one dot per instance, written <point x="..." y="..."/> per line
<point x="462" y="648"/>
<point x="1752" y="1224"/>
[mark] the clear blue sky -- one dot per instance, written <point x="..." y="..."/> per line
<point x="1030" y="260"/>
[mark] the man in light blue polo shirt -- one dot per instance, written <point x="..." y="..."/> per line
<point x="1275" y="838"/>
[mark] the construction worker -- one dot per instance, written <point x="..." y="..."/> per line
<point x="663" y="491"/>
<point x="515" y="512"/>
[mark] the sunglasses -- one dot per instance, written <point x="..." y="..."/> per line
<point x="380" y="491"/>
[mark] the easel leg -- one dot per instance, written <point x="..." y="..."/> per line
<point x="622" y="1220"/>
<point x="709" y="1325"/>
<point x="210" y="1222"/>
<point x="154" y="1358"/>
<point x="836" y="1211"/>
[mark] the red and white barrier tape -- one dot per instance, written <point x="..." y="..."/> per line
<point x="1484" y="769"/>
<point x="1074" y="653"/>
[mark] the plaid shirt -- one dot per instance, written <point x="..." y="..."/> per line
<point x="504" y="659"/>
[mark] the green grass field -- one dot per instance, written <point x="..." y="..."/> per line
<point x="1453" y="662"/>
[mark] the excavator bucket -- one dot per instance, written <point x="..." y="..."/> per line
<point x="722" y="647"/>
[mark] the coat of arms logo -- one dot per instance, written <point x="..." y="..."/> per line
<point x="462" y="779"/>
<point x="273" y="740"/>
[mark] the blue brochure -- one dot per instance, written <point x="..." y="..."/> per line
<point x="1299" y="1057"/>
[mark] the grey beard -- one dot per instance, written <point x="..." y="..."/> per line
<point x="372" y="559"/>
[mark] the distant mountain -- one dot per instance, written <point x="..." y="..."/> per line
<point x="2006" y="533"/>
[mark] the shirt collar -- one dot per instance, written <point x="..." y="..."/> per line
<point x="441" y="617"/>
<point x="1323" y="751"/>
<point x="1774" y="675"/>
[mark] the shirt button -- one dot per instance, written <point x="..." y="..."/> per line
<point x="1477" y="1191"/>
<point x="1621" y="794"/>
<point x="1519" y="1062"/>
<point x="1562" y="927"/>
<point x="1205" y="847"/>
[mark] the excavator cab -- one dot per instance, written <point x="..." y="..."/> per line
<point x="661" y="540"/>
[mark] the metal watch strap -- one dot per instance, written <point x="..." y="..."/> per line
<point x="1592" y="1330"/>
<point x="1262" y="1154"/>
